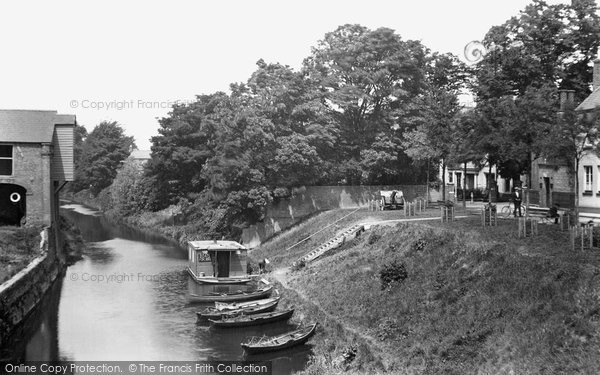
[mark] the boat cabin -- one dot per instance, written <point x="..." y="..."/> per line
<point x="216" y="259"/>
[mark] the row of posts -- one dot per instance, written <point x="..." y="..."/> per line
<point x="581" y="237"/>
<point x="447" y="214"/>
<point x="412" y="208"/>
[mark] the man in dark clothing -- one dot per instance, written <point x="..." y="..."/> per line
<point x="518" y="198"/>
<point x="553" y="213"/>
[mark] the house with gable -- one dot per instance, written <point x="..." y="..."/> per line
<point x="36" y="161"/>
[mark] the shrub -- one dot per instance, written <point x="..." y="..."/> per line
<point x="373" y="238"/>
<point x="395" y="271"/>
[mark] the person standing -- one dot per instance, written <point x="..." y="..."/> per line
<point x="518" y="198"/>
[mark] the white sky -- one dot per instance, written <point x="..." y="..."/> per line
<point x="71" y="56"/>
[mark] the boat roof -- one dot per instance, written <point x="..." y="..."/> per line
<point x="216" y="245"/>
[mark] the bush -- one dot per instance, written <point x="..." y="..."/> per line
<point x="395" y="271"/>
<point x="373" y="238"/>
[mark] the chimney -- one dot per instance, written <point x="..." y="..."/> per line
<point x="596" y="77"/>
<point x="568" y="96"/>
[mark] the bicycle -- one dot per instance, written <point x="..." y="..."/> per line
<point x="508" y="211"/>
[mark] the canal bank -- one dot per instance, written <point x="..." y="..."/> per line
<point x="127" y="299"/>
<point x="23" y="292"/>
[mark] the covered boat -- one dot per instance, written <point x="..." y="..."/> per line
<point x="268" y="344"/>
<point x="217" y="262"/>
<point x="251" y="320"/>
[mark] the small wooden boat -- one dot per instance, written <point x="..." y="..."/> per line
<point x="251" y="320"/>
<point x="239" y="305"/>
<point x="268" y="344"/>
<point x="214" y="313"/>
<point x="232" y="296"/>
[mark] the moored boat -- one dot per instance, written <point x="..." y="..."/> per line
<point x="219" y="280"/>
<point x="232" y="296"/>
<point x="239" y="305"/>
<point x="268" y="344"/>
<point x="214" y="313"/>
<point x="217" y="262"/>
<point x="251" y="320"/>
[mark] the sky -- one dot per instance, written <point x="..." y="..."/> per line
<point x="129" y="61"/>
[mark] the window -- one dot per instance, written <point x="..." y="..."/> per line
<point x="450" y="175"/>
<point x="6" y="160"/>
<point x="589" y="172"/>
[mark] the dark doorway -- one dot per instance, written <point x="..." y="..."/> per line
<point x="223" y="263"/>
<point x="547" y="191"/>
<point x="12" y="204"/>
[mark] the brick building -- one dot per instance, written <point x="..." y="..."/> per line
<point x="36" y="161"/>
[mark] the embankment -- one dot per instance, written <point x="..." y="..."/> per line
<point x="453" y="299"/>
<point x="21" y="294"/>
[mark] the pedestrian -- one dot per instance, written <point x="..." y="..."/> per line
<point x="518" y="198"/>
<point x="262" y="265"/>
<point x="553" y="213"/>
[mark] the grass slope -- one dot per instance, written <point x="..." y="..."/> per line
<point x="474" y="302"/>
<point x="275" y="249"/>
<point x="18" y="247"/>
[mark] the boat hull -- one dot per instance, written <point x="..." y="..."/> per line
<point x="217" y="314"/>
<point x="272" y="345"/>
<point x="252" y="320"/>
<point x="242" y="296"/>
<point x="211" y="280"/>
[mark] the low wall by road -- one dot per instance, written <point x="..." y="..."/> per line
<point x="283" y="213"/>
<point x="20" y="295"/>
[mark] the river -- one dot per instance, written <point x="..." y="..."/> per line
<point x="126" y="300"/>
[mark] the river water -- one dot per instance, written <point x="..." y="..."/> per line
<point x="126" y="300"/>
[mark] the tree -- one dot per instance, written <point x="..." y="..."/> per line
<point x="437" y="134"/>
<point x="529" y="57"/>
<point x="369" y="77"/>
<point x="101" y="155"/>
<point x="545" y="44"/>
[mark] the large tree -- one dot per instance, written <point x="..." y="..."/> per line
<point x="530" y="56"/>
<point x="102" y="153"/>
<point x="369" y="78"/>
<point x="437" y="133"/>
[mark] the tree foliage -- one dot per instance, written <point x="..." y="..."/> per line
<point x="102" y="152"/>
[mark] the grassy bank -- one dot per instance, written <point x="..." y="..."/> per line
<point x="18" y="247"/>
<point x="318" y="229"/>
<point x="465" y="301"/>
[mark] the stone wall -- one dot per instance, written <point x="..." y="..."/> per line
<point x="285" y="212"/>
<point x="21" y="294"/>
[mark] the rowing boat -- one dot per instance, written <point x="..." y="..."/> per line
<point x="239" y="305"/>
<point x="268" y="344"/>
<point x="232" y="296"/>
<point x="214" y="313"/>
<point x="251" y="320"/>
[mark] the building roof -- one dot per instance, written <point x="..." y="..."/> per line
<point x="591" y="102"/>
<point x="216" y="245"/>
<point x="29" y="126"/>
<point x="140" y="154"/>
